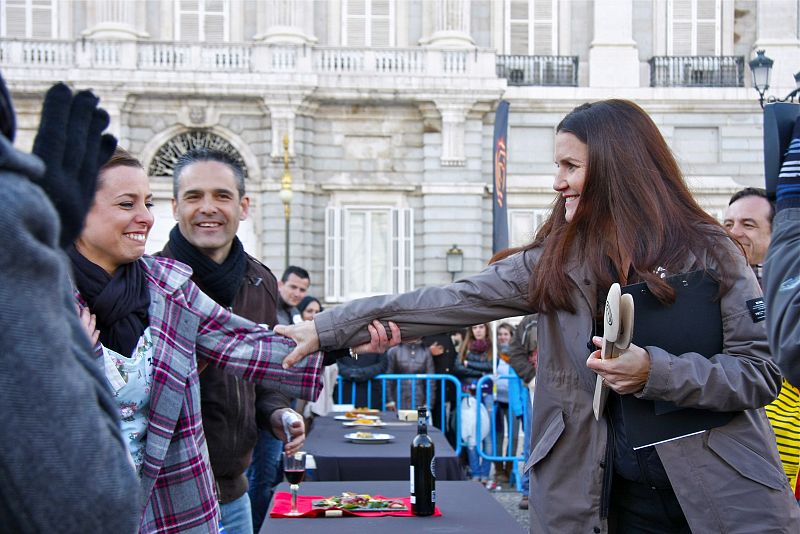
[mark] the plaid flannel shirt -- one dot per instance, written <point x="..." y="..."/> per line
<point x="177" y="483"/>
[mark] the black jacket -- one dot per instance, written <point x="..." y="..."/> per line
<point x="233" y="409"/>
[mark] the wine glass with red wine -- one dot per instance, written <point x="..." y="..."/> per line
<point x="294" y="468"/>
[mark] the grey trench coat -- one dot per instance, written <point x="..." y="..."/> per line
<point x="728" y="479"/>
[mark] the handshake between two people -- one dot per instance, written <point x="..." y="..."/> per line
<point x="307" y="340"/>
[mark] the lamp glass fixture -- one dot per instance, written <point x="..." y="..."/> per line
<point x="455" y="260"/>
<point x="761" y="66"/>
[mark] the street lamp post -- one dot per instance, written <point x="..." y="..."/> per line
<point x="285" y="194"/>
<point x="760" y="67"/>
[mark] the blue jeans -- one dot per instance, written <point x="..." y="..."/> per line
<point x="264" y="473"/>
<point x="236" y="516"/>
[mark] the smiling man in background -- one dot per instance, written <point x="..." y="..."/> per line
<point x="209" y="203"/>
<point x="749" y="220"/>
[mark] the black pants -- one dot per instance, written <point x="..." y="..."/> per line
<point x="639" y="509"/>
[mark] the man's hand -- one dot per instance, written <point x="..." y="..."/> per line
<point x="626" y="373"/>
<point x="297" y="429"/>
<point x="305" y="335"/>
<point x="71" y="144"/>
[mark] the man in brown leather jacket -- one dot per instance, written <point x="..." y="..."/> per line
<point x="209" y="202"/>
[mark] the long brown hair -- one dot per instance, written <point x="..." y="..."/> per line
<point x="634" y="191"/>
<point x="470" y="337"/>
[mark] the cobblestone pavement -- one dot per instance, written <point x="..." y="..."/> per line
<point x="510" y="501"/>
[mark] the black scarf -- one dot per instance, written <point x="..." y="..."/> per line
<point x="220" y="281"/>
<point x="120" y="302"/>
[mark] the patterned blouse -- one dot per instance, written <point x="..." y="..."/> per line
<point x="131" y="379"/>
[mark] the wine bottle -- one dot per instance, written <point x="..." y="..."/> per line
<point x="423" y="465"/>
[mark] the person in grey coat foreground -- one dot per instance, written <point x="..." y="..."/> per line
<point x="623" y="214"/>
<point x="63" y="464"/>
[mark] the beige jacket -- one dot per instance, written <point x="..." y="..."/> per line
<point x="728" y="479"/>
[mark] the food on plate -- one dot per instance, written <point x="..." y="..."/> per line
<point x="367" y="421"/>
<point x="364" y="409"/>
<point x="364" y="435"/>
<point x="359" y="501"/>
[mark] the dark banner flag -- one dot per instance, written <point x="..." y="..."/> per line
<point x="499" y="200"/>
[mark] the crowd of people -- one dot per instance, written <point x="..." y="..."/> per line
<point x="192" y="369"/>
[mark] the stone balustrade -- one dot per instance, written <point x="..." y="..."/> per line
<point x="247" y="58"/>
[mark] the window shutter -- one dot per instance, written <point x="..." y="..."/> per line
<point x="355" y="23"/>
<point x="402" y="250"/>
<point x="681" y="28"/>
<point x="188" y="21"/>
<point x="215" y="21"/>
<point x="333" y="254"/>
<point x="519" y="28"/>
<point x="707" y="34"/>
<point x="42" y="19"/>
<point x="381" y="31"/>
<point x="543" y="27"/>
<point x="15" y="19"/>
<point x="214" y="28"/>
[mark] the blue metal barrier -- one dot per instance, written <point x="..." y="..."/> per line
<point x="509" y="457"/>
<point x="399" y="379"/>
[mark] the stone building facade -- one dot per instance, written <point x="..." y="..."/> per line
<point x="388" y="106"/>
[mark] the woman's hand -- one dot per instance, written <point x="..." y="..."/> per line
<point x="626" y="373"/>
<point x="307" y="339"/>
<point x="89" y="323"/>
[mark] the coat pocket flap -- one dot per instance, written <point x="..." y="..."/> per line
<point x="552" y="432"/>
<point x="745" y="461"/>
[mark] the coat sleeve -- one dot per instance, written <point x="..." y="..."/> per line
<point x="267" y="401"/>
<point x="251" y="351"/>
<point x="497" y="292"/>
<point x="60" y="425"/>
<point x="519" y="349"/>
<point x="782" y="293"/>
<point x="743" y="377"/>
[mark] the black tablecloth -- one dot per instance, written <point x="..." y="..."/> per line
<point x="466" y="507"/>
<point x="339" y="459"/>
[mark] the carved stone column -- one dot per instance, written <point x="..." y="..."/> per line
<point x="613" y="57"/>
<point x="287" y="22"/>
<point x="451" y="25"/>
<point x="114" y="20"/>
<point x="454" y="118"/>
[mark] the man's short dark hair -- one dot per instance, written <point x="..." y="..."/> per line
<point x="297" y="271"/>
<point x="755" y="192"/>
<point x="197" y="155"/>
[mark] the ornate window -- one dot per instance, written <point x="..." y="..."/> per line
<point x="369" y="250"/>
<point x="31" y="19"/>
<point x="368" y="22"/>
<point x="202" y="20"/>
<point x="531" y="27"/>
<point x="168" y="154"/>
<point x="694" y="27"/>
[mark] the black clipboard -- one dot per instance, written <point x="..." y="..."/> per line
<point x="693" y="323"/>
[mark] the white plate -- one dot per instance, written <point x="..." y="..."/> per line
<point x="376" y="424"/>
<point x="345" y="418"/>
<point x="376" y="438"/>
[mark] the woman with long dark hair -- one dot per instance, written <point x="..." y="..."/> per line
<point x="475" y="360"/>
<point x="623" y="214"/>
